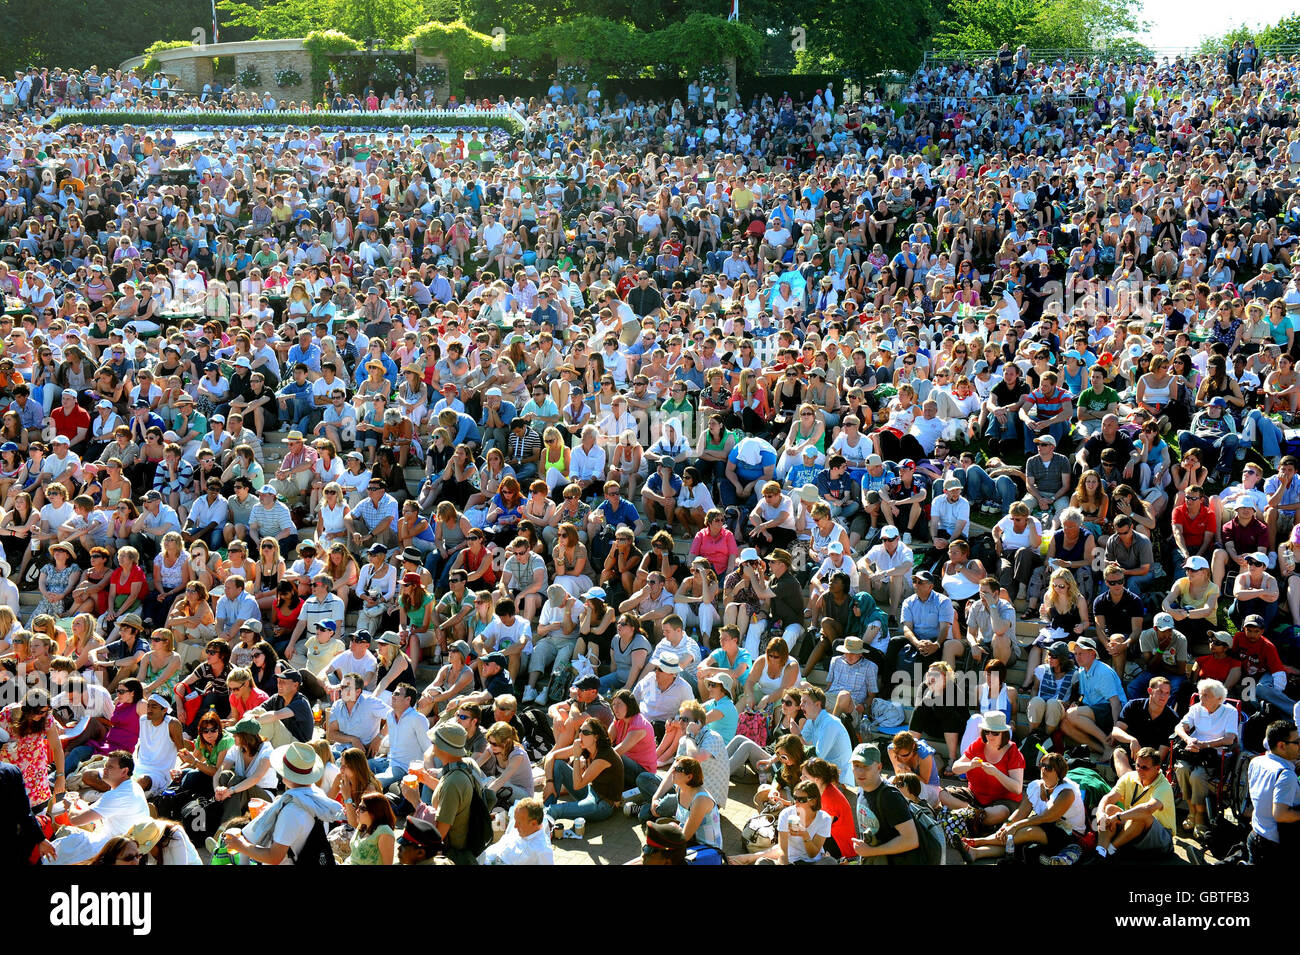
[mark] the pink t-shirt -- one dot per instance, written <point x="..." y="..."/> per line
<point x="239" y="707"/>
<point x="643" y="753"/>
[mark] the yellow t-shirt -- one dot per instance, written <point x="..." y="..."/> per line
<point x="1133" y="793"/>
<point x="742" y="198"/>
<point x="318" y="655"/>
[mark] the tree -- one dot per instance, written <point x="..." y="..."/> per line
<point x="388" y="20"/>
<point x="1039" y="24"/>
<point x="1286" y="32"/>
<point x="862" y="38"/>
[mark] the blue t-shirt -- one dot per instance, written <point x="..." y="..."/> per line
<point x="718" y="658"/>
<point x="654" y="484"/>
<point x="747" y="473"/>
<point x="725" y="727"/>
<point x="625" y="513"/>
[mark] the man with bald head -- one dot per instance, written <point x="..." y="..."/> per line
<point x="1108" y="436"/>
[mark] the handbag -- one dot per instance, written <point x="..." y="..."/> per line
<point x="753" y="725"/>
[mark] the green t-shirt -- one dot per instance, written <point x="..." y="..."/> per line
<point x="1094" y="401"/>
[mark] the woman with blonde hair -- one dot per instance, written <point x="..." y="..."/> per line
<point x="555" y="460"/>
<point x="342" y="569"/>
<point x="82" y="640"/>
<point x="513" y="778"/>
<point x="1063" y="609"/>
<point x="160" y="668"/>
<point x="332" y="512"/>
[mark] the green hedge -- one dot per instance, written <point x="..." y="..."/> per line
<point x="419" y="119"/>
<point x="606" y="47"/>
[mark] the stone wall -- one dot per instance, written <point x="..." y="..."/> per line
<point x="266" y="64"/>
<point x="441" y="92"/>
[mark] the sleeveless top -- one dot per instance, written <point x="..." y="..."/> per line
<point x="155" y="749"/>
<point x="799" y="437"/>
<point x="548" y="462"/>
<point x="1065" y="621"/>
<point x="957" y="586"/>
<point x="171" y="576"/>
<point x="452" y="536"/>
<point x="151" y="674"/>
<point x="769" y="684"/>
<point x="1002" y="703"/>
<point x="821" y="541"/>
<point x="1070" y="553"/>
<point x="709" y="831"/>
<point x="1157" y="395"/>
<point x="332" y="518"/>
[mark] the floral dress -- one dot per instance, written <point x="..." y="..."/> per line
<point x="54" y="580"/>
<point x="31" y="754"/>
<point x="365" y="849"/>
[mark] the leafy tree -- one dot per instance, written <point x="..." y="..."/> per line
<point x="1040" y="24"/>
<point x="862" y="38"/>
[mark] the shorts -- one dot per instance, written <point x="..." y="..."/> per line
<point x="1157" y="840"/>
<point x="1102" y="714"/>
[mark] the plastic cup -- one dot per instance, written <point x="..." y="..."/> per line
<point x="255" y="807"/>
<point x="410" y="779"/>
<point x="580" y="827"/>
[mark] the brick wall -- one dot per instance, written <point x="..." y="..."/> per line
<point x="266" y="65"/>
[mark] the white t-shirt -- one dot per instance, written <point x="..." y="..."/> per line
<point x="1011" y="539"/>
<point x="821" y="826"/>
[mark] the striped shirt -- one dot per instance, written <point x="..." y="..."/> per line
<point x="271" y="521"/>
<point x="1048" y="405"/>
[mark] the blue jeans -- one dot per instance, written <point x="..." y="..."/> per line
<point x="1057" y="431"/>
<point x="587" y="804"/>
<point x="980" y="487"/>
<point x="611" y="681"/>
<point x="1138" y="583"/>
<point x="1265" y="692"/>
<point x="1258" y="426"/>
<point x="1218" y="449"/>
<point x="648" y="783"/>
<point x="998" y="431"/>
<point x="386" y="771"/>
<point x="75" y="757"/>
<point x="1244" y="608"/>
<point x="1137" y="690"/>
<point x="731" y="499"/>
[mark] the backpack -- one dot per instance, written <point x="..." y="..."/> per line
<point x="535" y="730"/>
<point x="201" y="818"/>
<point x="930" y="834"/>
<point x="480" y="815"/>
<point x="317" y="849"/>
<point x="562" y="678"/>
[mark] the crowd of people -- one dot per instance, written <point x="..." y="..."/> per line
<point x="405" y="498"/>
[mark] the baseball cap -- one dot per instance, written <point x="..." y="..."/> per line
<point x="866" y="753"/>
<point x="1164" y="621"/>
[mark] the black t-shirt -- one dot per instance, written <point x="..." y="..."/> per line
<point x="1093" y="447"/>
<point x="1111" y="617"/>
<point x="300" y="725"/>
<point x="889" y="807"/>
<point x="1149" y="732"/>
<point x="1003" y="394"/>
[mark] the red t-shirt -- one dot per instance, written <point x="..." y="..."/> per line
<point x="69" y="423"/>
<point x="121" y="583"/>
<point x="1194" y="528"/>
<point x="986" y="789"/>
<point x="843" y="831"/>
<point x="1257" y="659"/>
<point x="1211" y="668"/>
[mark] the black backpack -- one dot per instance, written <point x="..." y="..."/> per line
<point x="316" y="850"/>
<point x="535" y="730"/>
<point x="929" y="833"/>
<point x="200" y="818"/>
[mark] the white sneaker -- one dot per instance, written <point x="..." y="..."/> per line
<point x="907" y="538"/>
<point x="530" y="694"/>
<point x="631" y="809"/>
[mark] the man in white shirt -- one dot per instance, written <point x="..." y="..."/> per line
<point x="949" y="514"/>
<point x="407" y="730"/>
<point x="662" y="691"/>
<point x="887" y="568"/>
<point x="527" y="841"/>
<point x="114" y="814"/>
<point x="357" y="659"/>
